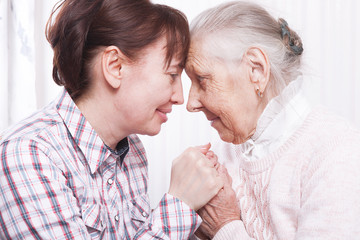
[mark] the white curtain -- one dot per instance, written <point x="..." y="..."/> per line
<point x="25" y="59"/>
<point x="17" y="60"/>
<point x="330" y="30"/>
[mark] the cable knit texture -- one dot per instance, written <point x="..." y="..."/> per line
<point x="309" y="188"/>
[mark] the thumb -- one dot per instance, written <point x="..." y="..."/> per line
<point x="203" y="148"/>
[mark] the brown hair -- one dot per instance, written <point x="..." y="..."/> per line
<point x="81" y="27"/>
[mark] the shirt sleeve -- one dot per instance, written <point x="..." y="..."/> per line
<point x="171" y="219"/>
<point x="35" y="201"/>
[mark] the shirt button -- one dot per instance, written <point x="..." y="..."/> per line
<point x="116" y="218"/>
<point x="110" y="181"/>
<point x="144" y="214"/>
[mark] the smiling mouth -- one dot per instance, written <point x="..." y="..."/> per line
<point x="164" y="111"/>
<point x="212" y="120"/>
<point x="162" y="114"/>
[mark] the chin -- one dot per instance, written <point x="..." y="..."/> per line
<point x="153" y="132"/>
<point x="230" y="138"/>
<point x="226" y="137"/>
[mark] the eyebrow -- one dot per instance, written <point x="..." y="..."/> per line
<point x="195" y="70"/>
<point x="176" y="67"/>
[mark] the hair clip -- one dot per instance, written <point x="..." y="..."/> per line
<point x="285" y="32"/>
<point x="284" y="29"/>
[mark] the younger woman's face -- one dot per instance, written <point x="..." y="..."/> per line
<point x="150" y="90"/>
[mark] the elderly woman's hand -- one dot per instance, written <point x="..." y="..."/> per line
<point x="222" y="209"/>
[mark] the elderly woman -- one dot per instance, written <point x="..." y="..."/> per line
<point x="295" y="168"/>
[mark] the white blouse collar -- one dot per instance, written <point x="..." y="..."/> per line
<point x="281" y="117"/>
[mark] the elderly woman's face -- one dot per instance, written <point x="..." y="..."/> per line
<point x="223" y="92"/>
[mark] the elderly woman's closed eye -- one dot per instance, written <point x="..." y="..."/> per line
<point x="245" y="71"/>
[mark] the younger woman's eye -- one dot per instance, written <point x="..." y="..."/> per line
<point x="174" y="76"/>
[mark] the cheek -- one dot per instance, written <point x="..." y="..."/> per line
<point x="154" y="96"/>
<point x="230" y="123"/>
<point x="161" y="89"/>
<point x="229" y="111"/>
<point x="213" y="101"/>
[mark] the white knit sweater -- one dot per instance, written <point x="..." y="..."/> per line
<point x="302" y="185"/>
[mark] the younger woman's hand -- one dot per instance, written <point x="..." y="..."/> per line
<point x="194" y="178"/>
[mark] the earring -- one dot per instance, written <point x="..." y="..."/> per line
<point x="259" y="93"/>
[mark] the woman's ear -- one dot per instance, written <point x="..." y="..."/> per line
<point x="111" y="63"/>
<point x="259" y="68"/>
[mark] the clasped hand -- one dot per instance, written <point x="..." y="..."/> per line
<point x="194" y="178"/>
<point x="221" y="209"/>
<point x="205" y="185"/>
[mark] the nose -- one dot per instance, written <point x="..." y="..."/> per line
<point x="177" y="97"/>
<point x="193" y="104"/>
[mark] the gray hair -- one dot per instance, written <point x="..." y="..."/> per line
<point x="231" y="28"/>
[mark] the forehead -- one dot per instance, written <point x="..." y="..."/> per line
<point x="156" y="52"/>
<point x="198" y="57"/>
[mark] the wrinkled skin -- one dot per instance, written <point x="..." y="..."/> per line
<point x="221" y="209"/>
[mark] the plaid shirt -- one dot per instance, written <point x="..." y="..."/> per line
<point x="60" y="181"/>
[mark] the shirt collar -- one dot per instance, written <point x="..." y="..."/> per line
<point x="121" y="150"/>
<point x="83" y="134"/>
<point x="280" y="119"/>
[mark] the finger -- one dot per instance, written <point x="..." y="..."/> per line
<point x="225" y="175"/>
<point x="212" y="157"/>
<point x="201" y="211"/>
<point x="210" y="154"/>
<point x="209" y="213"/>
<point x="217" y="164"/>
<point x="204" y="148"/>
<point x="219" y="181"/>
<point x="204" y="214"/>
<point x="200" y="234"/>
<point x="205" y="162"/>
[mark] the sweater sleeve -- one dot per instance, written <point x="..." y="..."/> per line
<point x="330" y="199"/>
<point x="232" y="231"/>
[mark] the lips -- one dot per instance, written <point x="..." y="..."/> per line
<point x="165" y="111"/>
<point x="213" y="121"/>
<point x="211" y="118"/>
<point x="162" y="113"/>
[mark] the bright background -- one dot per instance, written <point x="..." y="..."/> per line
<point x="330" y="30"/>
